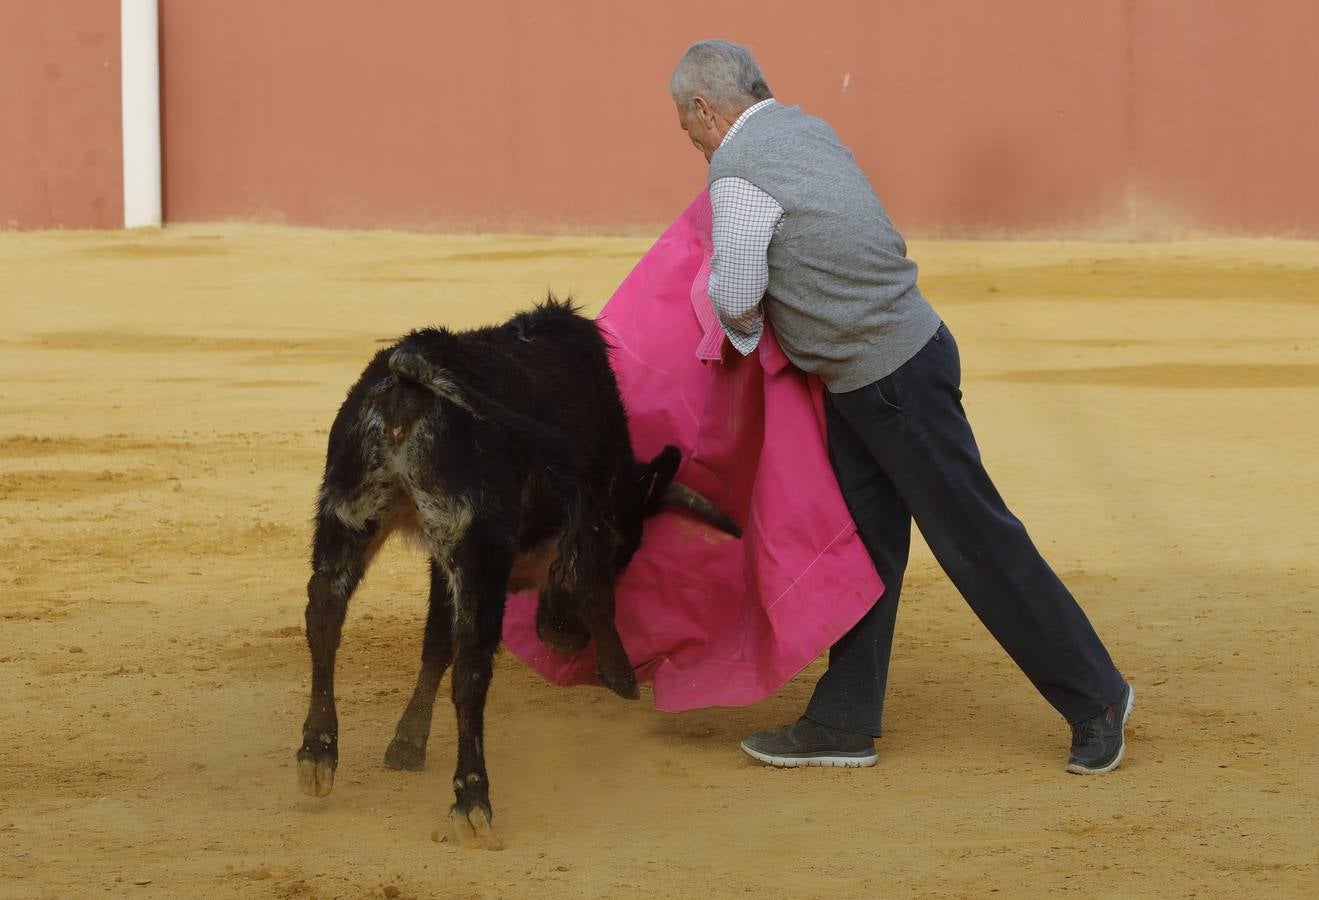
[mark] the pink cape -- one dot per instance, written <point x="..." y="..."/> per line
<point x="712" y="620"/>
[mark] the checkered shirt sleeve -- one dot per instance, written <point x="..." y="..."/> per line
<point x="745" y="219"/>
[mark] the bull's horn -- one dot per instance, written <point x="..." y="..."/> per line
<point x="681" y="495"/>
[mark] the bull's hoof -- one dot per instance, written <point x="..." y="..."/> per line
<point x="563" y="642"/>
<point x="472" y="826"/>
<point x="402" y="755"/>
<point x="560" y="633"/>
<point x="316" y="771"/>
<point x="622" y="683"/>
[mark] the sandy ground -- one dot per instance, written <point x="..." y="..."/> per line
<point x="1148" y="410"/>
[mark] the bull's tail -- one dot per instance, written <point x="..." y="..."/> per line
<point x="411" y="367"/>
<point x="579" y="552"/>
<point x="550" y="444"/>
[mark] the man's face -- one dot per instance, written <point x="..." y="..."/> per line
<point x="702" y="127"/>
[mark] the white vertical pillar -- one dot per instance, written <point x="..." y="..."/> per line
<point x="140" y="92"/>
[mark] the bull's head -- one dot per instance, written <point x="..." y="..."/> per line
<point x="651" y="489"/>
<point x="654" y="488"/>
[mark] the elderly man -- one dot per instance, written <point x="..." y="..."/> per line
<point x="801" y="238"/>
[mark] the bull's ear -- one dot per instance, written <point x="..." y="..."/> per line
<point x="665" y="466"/>
<point x="656" y="477"/>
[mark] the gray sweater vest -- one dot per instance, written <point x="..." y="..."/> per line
<point x="842" y="295"/>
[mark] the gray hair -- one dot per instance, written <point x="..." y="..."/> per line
<point x="723" y="73"/>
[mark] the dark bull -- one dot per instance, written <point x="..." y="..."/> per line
<point x="505" y="451"/>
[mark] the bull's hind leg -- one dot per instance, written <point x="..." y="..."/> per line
<point x="339" y="559"/>
<point x="408" y="749"/>
<point x="478" y="609"/>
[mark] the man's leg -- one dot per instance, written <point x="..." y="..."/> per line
<point x="850" y="694"/>
<point x="913" y="424"/>
<point x="847" y="708"/>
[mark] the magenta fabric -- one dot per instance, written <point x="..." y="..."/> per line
<point x="712" y="620"/>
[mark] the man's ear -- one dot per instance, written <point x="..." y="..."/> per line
<point x="704" y="111"/>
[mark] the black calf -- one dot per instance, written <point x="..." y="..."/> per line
<point x="506" y="451"/>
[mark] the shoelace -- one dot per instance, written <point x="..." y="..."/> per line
<point x="1084" y="732"/>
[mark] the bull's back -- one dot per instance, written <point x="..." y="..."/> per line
<point x="550" y="365"/>
<point x="556" y="363"/>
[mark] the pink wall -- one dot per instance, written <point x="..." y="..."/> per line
<point x="61" y="157"/>
<point x="1146" y="117"/>
<point x="1225" y="112"/>
<point x="505" y="114"/>
<point x="1018" y="116"/>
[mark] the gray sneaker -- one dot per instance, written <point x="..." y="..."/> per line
<point x="1098" y="743"/>
<point x="808" y="743"/>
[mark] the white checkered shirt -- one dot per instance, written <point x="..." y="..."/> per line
<point x="745" y="218"/>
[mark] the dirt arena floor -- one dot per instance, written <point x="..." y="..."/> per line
<point x="1150" y="411"/>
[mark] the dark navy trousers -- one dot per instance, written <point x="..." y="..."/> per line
<point x="902" y="449"/>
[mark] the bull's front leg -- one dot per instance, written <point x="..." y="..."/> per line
<point x="339" y="558"/>
<point x="408" y="749"/>
<point x="612" y="666"/>
<point x="478" y="623"/>
<point x="586" y="593"/>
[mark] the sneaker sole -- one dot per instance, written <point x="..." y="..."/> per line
<point x="800" y="762"/>
<point x="1078" y="769"/>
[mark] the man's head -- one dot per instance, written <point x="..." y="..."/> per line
<point x="714" y="83"/>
